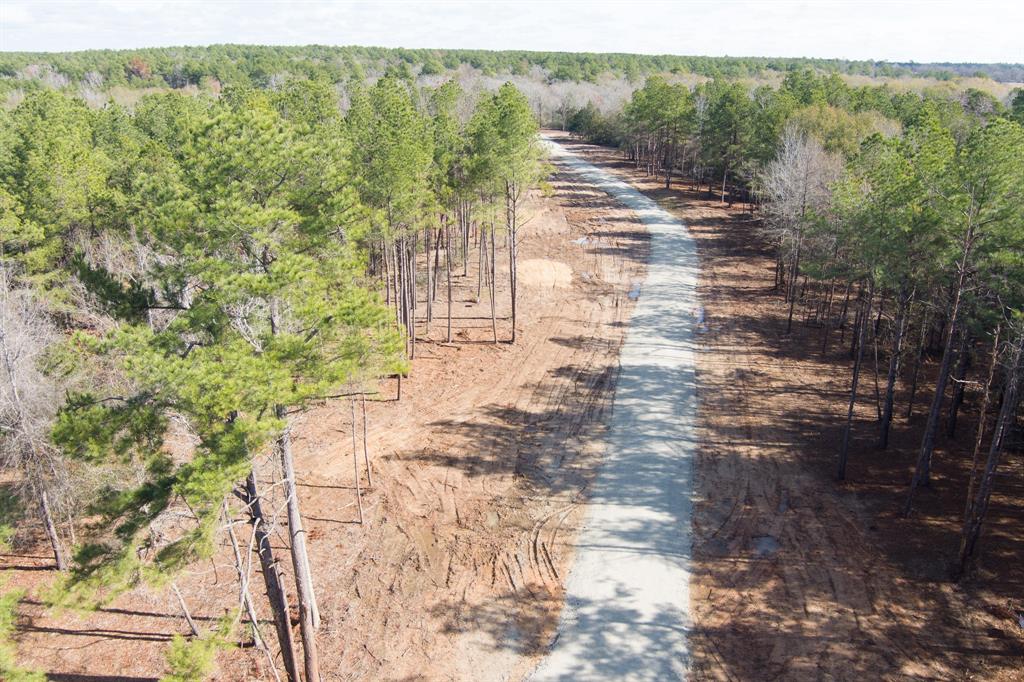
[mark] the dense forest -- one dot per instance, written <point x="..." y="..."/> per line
<point x="183" y="272"/>
<point x="897" y="218"/>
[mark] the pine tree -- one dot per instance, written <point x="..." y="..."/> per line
<point x="504" y="162"/>
<point x="977" y="190"/>
<point x="270" y="313"/>
<point x="449" y="177"/>
<point x="898" y="232"/>
<point x="55" y="180"/>
<point x="729" y="128"/>
<point x="392" y="150"/>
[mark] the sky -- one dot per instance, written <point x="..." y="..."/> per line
<point x="909" y="30"/>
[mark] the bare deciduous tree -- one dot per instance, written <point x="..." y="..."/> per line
<point x="797" y="186"/>
<point x="28" y="404"/>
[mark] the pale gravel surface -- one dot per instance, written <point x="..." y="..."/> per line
<point x="627" y="596"/>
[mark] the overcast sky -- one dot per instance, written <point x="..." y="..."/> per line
<point x="923" y="31"/>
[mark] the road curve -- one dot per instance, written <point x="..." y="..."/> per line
<point x="627" y="595"/>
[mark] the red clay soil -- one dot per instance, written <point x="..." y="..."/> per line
<point x="795" y="575"/>
<point x="478" y="475"/>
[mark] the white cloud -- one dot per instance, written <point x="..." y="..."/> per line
<point x="860" y="29"/>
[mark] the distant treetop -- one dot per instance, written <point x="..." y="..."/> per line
<point x="264" y="66"/>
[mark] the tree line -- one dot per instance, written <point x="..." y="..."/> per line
<point x="896" y="217"/>
<point x="724" y="132"/>
<point x="180" y="280"/>
<point x="258" y="66"/>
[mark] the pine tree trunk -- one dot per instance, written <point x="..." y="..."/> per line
<point x="845" y="311"/>
<point x="387" y="274"/>
<point x="925" y="324"/>
<point x="874" y="343"/>
<point x="411" y="265"/>
<point x="465" y="242"/>
<point x="481" y="265"/>
<point x="397" y="277"/>
<point x="794" y="273"/>
<point x="355" y="464"/>
<point x="857" y="321"/>
<point x="493" y="286"/>
<point x="403" y="252"/>
<point x="400" y="301"/>
<point x="437" y="256"/>
<point x="979" y="436"/>
<point x="272" y="578"/>
<point x="426" y="251"/>
<point x="51" y="531"/>
<point x="309" y="616"/>
<point x="864" y="317"/>
<point x="922" y="471"/>
<point x="410" y="305"/>
<point x="668" y="167"/>
<point x="512" y="236"/>
<point x="193" y="628"/>
<point x="448" y="268"/>
<point x="1011" y="399"/>
<point x="959" y="384"/>
<point x="366" y="452"/>
<point x="894" y="369"/>
<point x="244" y="594"/>
<point x="828" y="317"/>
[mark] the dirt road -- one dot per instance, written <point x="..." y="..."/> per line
<point x="627" y="596"/>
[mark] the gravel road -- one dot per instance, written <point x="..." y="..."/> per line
<point x="627" y="596"/>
